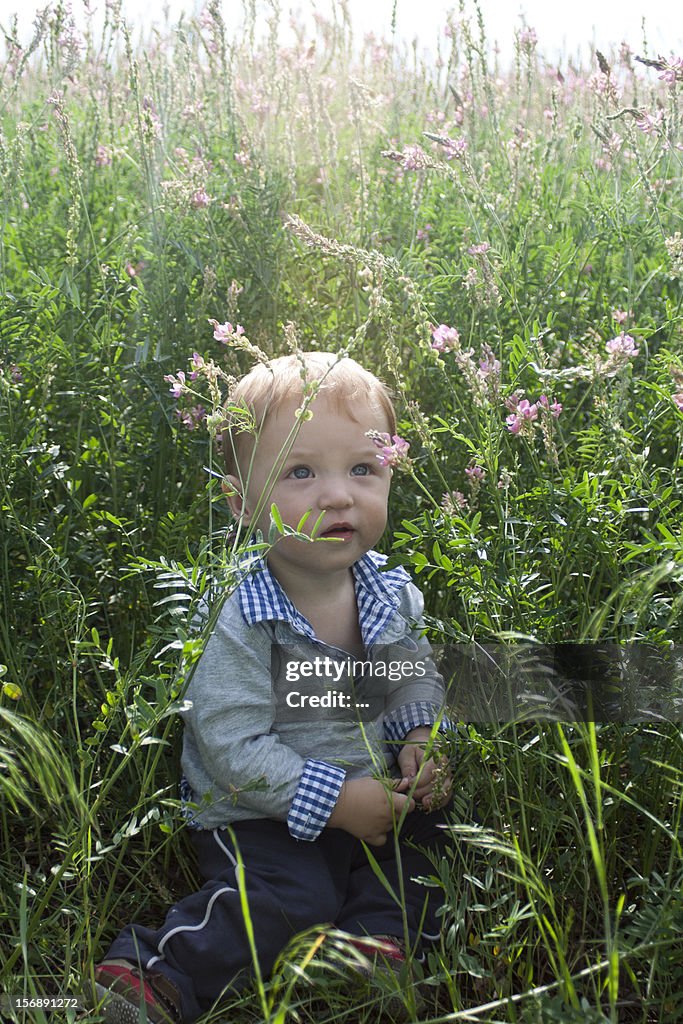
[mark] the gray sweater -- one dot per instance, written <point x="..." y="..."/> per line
<point x="246" y="751"/>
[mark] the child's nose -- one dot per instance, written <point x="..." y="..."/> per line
<point x="334" y="494"/>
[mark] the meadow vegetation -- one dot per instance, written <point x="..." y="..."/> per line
<point x="504" y="245"/>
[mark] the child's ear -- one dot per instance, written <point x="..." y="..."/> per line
<point x="232" y="489"/>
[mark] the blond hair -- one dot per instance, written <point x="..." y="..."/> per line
<point x="262" y="391"/>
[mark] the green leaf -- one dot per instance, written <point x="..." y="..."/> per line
<point x="277" y="518"/>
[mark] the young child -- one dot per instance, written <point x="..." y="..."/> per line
<point x="297" y="792"/>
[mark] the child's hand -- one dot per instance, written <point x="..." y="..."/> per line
<point x="367" y="808"/>
<point x="434" y="782"/>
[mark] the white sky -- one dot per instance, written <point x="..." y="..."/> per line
<point x="562" y="28"/>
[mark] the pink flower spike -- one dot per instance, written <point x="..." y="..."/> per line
<point x="621" y="315"/>
<point x="488" y="364"/>
<point x="413" y="158"/>
<point x="624" y="345"/>
<point x="196" y="362"/>
<point x="672" y="70"/>
<point x="475" y="472"/>
<point x="223" y="332"/>
<point x="526" y="410"/>
<point x="556" y="409"/>
<point x="455" y="149"/>
<point x="102" y="157"/>
<point x="445" y="338"/>
<point x="514" y="424"/>
<point x="678" y="400"/>
<point x="394" y="450"/>
<point x="191" y="418"/>
<point x="454" y="502"/>
<point x="200" y="199"/>
<point x="178" y="385"/>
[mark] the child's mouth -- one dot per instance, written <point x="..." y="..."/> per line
<point x="341" y="531"/>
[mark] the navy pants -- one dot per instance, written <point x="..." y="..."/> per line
<point x="291" y="886"/>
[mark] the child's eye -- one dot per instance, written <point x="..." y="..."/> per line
<point x="362" y="469"/>
<point x="300" y="472"/>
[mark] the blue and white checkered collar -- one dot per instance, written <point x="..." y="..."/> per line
<point x="262" y="598"/>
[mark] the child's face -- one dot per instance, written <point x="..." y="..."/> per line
<point x="331" y="468"/>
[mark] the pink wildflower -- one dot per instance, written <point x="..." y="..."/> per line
<point x="672" y="70"/>
<point x="193" y="417"/>
<point x="625" y="52"/>
<point x="196" y="362"/>
<point x="445" y="338"/>
<point x="178" y="386"/>
<point x="525" y="413"/>
<point x="413" y="158"/>
<point x="528" y="38"/>
<point x="475" y="472"/>
<point x="489" y="364"/>
<point x="394" y="450"/>
<point x="479" y="249"/>
<point x="454" y="502"/>
<point x="554" y="408"/>
<point x="621" y="315"/>
<point x="102" y="157"/>
<point x="422" y="234"/>
<point x="601" y="83"/>
<point x="226" y="332"/>
<point x="650" y="123"/>
<point x="526" y="410"/>
<point x="200" y="199"/>
<point x="455" y="149"/>
<point x="678" y="399"/>
<point x="624" y="345"/>
<point x="243" y="158"/>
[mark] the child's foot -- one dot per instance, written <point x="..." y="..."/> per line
<point x="378" y="948"/>
<point x="121" y="990"/>
<point x="388" y="975"/>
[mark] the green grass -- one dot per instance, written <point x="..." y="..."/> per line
<point x="147" y="191"/>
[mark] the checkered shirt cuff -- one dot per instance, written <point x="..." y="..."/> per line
<point x="314" y="800"/>
<point x="188" y="808"/>
<point x="400" y="722"/>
